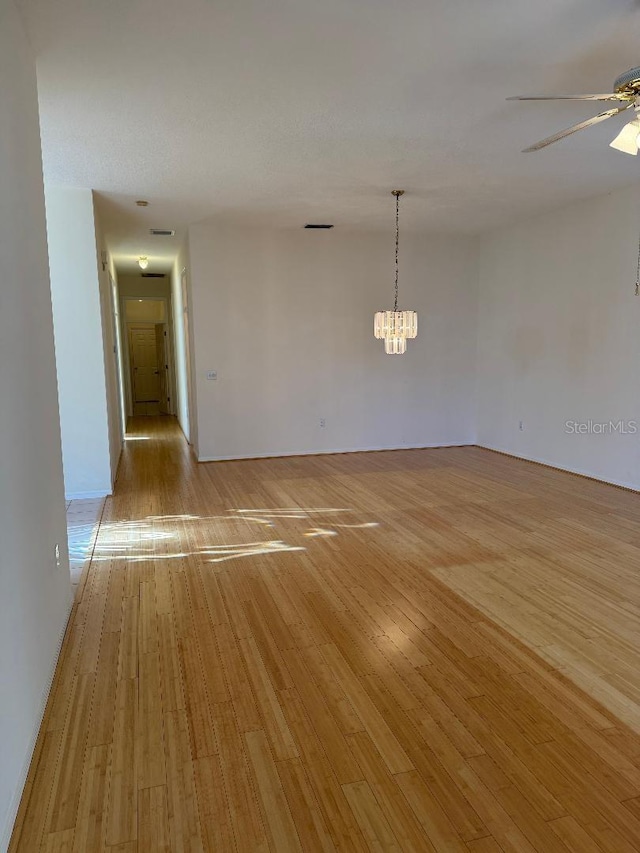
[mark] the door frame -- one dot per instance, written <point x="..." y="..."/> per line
<point x="164" y="365"/>
<point x="126" y="349"/>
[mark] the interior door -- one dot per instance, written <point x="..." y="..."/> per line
<point x="144" y="365"/>
<point x="162" y="351"/>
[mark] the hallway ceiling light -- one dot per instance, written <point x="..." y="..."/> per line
<point x="396" y="327"/>
<point x="143" y="262"/>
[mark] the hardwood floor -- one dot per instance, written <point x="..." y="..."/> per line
<point x="430" y="650"/>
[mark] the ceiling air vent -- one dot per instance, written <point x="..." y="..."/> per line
<point x="161" y="232"/>
<point x="317" y="225"/>
<point x="152" y="275"/>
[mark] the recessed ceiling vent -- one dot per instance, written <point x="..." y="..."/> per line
<point x="152" y="275"/>
<point x="161" y="232"/>
<point x="318" y="225"/>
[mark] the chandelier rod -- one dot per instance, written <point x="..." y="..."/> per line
<point x="397" y="194"/>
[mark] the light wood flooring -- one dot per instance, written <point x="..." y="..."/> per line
<point x="430" y="650"/>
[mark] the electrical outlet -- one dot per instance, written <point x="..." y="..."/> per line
<point x="56" y="554"/>
<point x="521" y="426"/>
<point x="323" y="422"/>
<point x="212" y="374"/>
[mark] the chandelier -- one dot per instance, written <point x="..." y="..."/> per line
<point x="395" y="327"/>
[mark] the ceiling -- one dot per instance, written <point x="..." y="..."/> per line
<point x="291" y="111"/>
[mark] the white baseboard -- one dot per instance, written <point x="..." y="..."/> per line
<point x="95" y="493"/>
<point x="334" y="451"/>
<point x="634" y="487"/>
<point x="12" y="811"/>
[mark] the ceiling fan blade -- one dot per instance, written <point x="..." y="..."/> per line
<point x="614" y="96"/>
<point x="627" y="140"/>
<point x="581" y="126"/>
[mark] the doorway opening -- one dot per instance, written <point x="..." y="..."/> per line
<point x="149" y="355"/>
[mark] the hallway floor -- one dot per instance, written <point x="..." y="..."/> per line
<point x="430" y="650"/>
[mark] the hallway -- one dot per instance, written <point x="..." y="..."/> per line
<point x="368" y="651"/>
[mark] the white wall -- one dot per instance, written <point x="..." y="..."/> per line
<point x="119" y="353"/>
<point x="286" y="319"/>
<point x="80" y="348"/>
<point x="180" y="347"/>
<point x="106" y="278"/>
<point x="145" y="311"/>
<point x="35" y="596"/>
<point x="558" y="337"/>
<point x="134" y="286"/>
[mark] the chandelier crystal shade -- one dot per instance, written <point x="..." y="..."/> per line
<point x="395" y="327"/>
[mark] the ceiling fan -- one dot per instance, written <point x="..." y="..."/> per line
<point x="626" y="93"/>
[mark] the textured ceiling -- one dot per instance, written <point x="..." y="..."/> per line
<point x="297" y="110"/>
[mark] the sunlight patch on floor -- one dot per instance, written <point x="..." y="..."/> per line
<point x="138" y="540"/>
